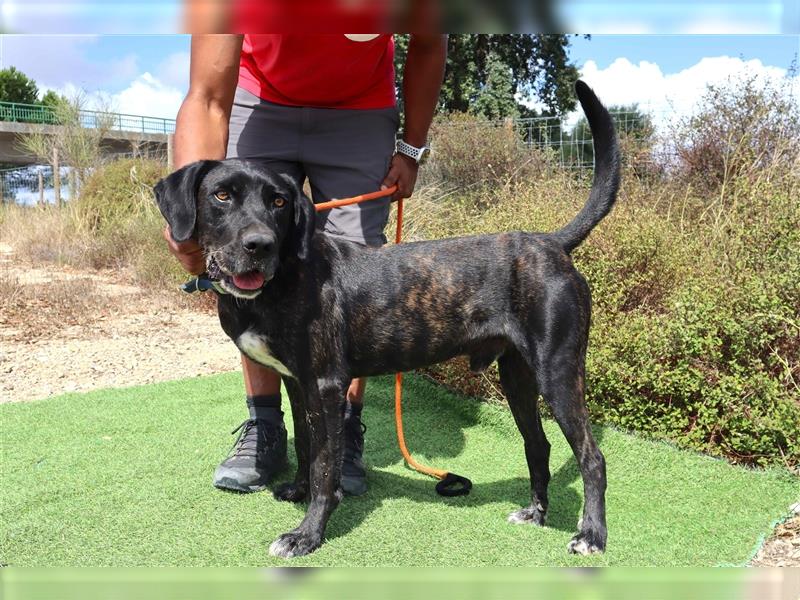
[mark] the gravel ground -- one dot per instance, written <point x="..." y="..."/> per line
<point x="63" y="331"/>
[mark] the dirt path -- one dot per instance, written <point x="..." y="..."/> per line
<point x="63" y="330"/>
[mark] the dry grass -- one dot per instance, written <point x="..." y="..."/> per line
<point x="33" y="311"/>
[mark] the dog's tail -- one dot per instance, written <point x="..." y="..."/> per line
<point x="606" y="171"/>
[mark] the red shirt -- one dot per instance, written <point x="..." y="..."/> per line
<point x="325" y="71"/>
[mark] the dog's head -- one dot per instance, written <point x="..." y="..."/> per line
<point x="247" y="219"/>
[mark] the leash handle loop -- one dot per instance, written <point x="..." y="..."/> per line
<point x="453" y="485"/>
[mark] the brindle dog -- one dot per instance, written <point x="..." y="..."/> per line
<point x="322" y="311"/>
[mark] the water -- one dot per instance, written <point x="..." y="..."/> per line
<point x="21" y="186"/>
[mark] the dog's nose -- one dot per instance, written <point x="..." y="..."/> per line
<point x="255" y="243"/>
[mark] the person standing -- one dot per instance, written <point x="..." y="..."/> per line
<point x="320" y="107"/>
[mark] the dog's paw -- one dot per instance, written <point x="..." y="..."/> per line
<point x="293" y="544"/>
<point x="291" y="492"/>
<point x="530" y="515"/>
<point x="586" y="543"/>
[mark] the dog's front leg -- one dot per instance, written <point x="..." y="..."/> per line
<point x="325" y="417"/>
<point x="296" y="491"/>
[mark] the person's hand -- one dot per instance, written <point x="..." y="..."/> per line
<point x="188" y="253"/>
<point x="402" y="173"/>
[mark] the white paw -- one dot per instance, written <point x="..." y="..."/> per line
<point x="282" y="548"/>
<point x="582" y="547"/>
<point x="293" y="544"/>
<point x="527" y="516"/>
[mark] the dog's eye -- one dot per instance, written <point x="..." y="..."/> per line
<point x="222" y="195"/>
<point x="279" y="202"/>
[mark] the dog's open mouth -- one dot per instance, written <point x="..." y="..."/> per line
<point x="244" y="285"/>
<point x="252" y="280"/>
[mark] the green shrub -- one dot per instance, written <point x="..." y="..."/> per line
<point x="695" y="335"/>
<point x="470" y="151"/>
<point x="740" y="130"/>
<point x="117" y="212"/>
<point x="118" y="193"/>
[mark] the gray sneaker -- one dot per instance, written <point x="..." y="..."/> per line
<point x="354" y="474"/>
<point x="258" y="453"/>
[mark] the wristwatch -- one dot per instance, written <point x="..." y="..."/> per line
<point x="420" y="155"/>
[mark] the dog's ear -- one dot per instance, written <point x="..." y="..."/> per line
<point x="176" y="196"/>
<point x="304" y="221"/>
<point x="304" y="224"/>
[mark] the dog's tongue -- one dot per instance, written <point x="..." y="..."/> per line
<point x="249" y="281"/>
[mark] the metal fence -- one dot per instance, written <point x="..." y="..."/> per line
<point x="46" y="115"/>
<point x="30" y="186"/>
<point x="34" y="185"/>
<point x="570" y="143"/>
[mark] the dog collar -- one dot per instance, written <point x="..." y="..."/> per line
<point x="202" y="283"/>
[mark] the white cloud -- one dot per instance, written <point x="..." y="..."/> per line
<point x="146" y="94"/>
<point x="149" y="96"/>
<point x="667" y="96"/>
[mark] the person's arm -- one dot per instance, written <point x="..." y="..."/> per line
<point x="201" y="129"/>
<point x="422" y="82"/>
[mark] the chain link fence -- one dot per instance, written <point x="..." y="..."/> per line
<point x="568" y="143"/>
<point x="36" y="184"/>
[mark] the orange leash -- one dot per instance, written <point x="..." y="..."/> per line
<point x="450" y="484"/>
<point x="357" y="199"/>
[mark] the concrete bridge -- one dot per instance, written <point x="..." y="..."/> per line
<point x="124" y="133"/>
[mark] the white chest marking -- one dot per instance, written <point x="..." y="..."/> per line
<point x="255" y="347"/>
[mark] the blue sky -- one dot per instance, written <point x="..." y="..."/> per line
<point x="676" y="52"/>
<point x="148" y="74"/>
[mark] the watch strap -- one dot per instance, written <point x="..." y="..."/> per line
<point x="409" y="150"/>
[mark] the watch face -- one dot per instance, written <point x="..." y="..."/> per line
<point x="424" y="155"/>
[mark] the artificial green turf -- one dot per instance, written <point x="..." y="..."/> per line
<point x="123" y="477"/>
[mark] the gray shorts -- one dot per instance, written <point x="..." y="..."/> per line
<point x="343" y="152"/>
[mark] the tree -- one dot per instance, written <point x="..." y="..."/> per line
<point x="53" y="99"/>
<point x="632" y="124"/>
<point x="72" y="143"/>
<point x="495" y="99"/>
<point x="538" y="66"/>
<point x="15" y="86"/>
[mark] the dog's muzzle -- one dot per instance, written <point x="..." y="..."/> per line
<point x="245" y="285"/>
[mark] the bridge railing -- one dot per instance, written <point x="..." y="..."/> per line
<point x="46" y="115"/>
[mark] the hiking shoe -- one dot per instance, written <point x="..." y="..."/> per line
<point x="258" y="453"/>
<point x="354" y="474"/>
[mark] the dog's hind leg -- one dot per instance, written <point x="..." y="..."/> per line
<point x="519" y="386"/>
<point x="295" y="491"/>
<point x="560" y="372"/>
<point x="325" y="413"/>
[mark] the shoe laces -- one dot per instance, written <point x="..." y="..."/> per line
<point x="250" y="431"/>
<point x="354" y="431"/>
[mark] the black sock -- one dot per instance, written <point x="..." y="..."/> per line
<point x="353" y="410"/>
<point x="265" y="407"/>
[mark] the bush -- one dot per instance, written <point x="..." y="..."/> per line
<point x="118" y="193"/>
<point x="695" y="336"/>
<point x="470" y="151"/>
<point x="746" y="128"/>
<point x="114" y="223"/>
